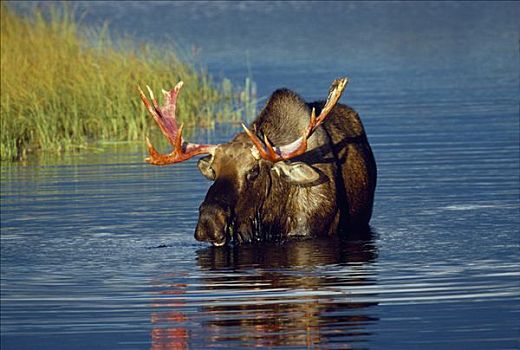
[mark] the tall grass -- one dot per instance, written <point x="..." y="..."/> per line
<point x="64" y="85"/>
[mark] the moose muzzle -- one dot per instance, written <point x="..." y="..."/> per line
<point x="213" y="225"/>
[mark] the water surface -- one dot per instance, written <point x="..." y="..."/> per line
<point x="97" y="249"/>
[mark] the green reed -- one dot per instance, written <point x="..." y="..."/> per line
<point x="65" y="86"/>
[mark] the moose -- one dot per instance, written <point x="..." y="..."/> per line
<point x="291" y="174"/>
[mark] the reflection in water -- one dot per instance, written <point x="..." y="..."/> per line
<point x="302" y="293"/>
<point x="174" y="335"/>
<point x="359" y="247"/>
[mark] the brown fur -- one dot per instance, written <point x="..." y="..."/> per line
<point x="249" y="202"/>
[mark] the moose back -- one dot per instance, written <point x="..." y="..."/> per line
<point x="291" y="174"/>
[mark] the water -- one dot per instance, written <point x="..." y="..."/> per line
<point x="97" y="249"/>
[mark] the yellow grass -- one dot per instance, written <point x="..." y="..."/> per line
<point x="64" y="86"/>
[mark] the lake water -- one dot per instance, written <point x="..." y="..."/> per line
<point x="97" y="249"/>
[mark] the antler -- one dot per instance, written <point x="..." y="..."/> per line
<point x="298" y="147"/>
<point x="165" y="118"/>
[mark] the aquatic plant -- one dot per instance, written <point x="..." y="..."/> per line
<point x="65" y="85"/>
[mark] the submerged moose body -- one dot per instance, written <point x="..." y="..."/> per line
<point x="319" y="180"/>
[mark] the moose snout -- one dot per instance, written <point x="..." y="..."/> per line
<point x="212" y="225"/>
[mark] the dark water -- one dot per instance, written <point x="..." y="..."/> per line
<point x="97" y="249"/>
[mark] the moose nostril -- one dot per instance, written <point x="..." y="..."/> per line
<point x="200" y="234"/>
<point x="212" y="225"/>
<point x="204" y="229"/>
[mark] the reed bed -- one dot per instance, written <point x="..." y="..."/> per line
<point x="65" y="86"/>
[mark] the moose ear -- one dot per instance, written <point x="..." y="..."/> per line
<point x="297" y="172"/>
<point x="204" y="165"/>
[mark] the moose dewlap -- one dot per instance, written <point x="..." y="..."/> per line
<point x="291" y="174"/>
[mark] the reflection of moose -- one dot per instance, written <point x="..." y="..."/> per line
<point x="270" y="295"/>
<point x="258" y="194"/>
<point x="174" y="336"/>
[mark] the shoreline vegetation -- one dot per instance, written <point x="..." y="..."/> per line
<point x="65" y="86"/>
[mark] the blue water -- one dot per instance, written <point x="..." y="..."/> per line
<point x="97" y="249"/>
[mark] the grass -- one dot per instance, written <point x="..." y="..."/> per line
<point x="65" y="86"/>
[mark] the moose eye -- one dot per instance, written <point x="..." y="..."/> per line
<point x="253" y="173"/>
